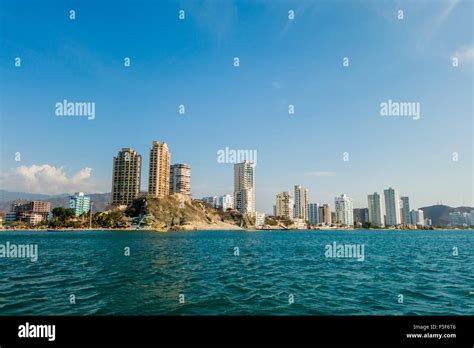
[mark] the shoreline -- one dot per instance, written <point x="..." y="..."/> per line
<point x="223" y="229"/>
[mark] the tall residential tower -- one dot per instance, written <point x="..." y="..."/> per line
<point x="392" y="207"/>
<point x="180" y="179"/>
<point x="405" y="213"/>
<point x="325" y="214"/>
<point x="344" y="210"/>
<point x="244" y="187"/>
<point x="159" y="175"/>
<point x="376" y="210"/>
<point x="284" y="205"/>
<point x="313" y="213"/>
<point x="301" y="203"/>
<point x="126" y="176"/>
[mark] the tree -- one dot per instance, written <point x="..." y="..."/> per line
<point x="109" y="220"/>
<point x="63" y="214"/>
<point x="62" y="217"/>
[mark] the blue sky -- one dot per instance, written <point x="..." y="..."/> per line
<point x="282" y="62"/>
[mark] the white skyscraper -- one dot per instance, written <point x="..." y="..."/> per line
<point x="375" y="210"/>
<point x="313" y="213"/>
<point x="244" y="187"/>
<point x="392" y="207"/>
<point x="301" y="203"/>
<point x="344" y="210"/>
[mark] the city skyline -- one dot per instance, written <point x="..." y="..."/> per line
<point x="281" y="63"/>
<point x="392" y="210"/>
<point x="166" y="179"/>
<point x="398" y="206"/>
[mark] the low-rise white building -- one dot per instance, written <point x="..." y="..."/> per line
<point x="259" y="219"/>
<point x="299" y="224"/>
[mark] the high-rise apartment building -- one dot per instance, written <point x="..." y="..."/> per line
<point x="244" y="201"/>
<point x="344" y="210"/>
<point x="392" y="207"/>
<point x="325" y="214"/>
<point x="376" y="215"/>
<point x="80" y="203"/>
<point x="126" y="176"/>
<point x="244" y="187"/>
<point x="301" y="203"/>
<point x="159" y="175"/>
<point x="29" y="212"/>
<point x="405" y="213"/>
<point x="313" y="213"/>
<point x="284" y="205"/>
<point x="361" y="215"/>
<point x="180" y="178"/>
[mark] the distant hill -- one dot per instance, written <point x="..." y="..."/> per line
<point x="439" y="214"/>
<point x="100" y="200"/>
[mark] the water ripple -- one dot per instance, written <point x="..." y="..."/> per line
<point x="272" y="266"/>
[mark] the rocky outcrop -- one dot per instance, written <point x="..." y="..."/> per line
<point x="180" y="212"/>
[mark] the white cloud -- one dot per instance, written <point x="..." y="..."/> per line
<point x="47" y="179"/>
